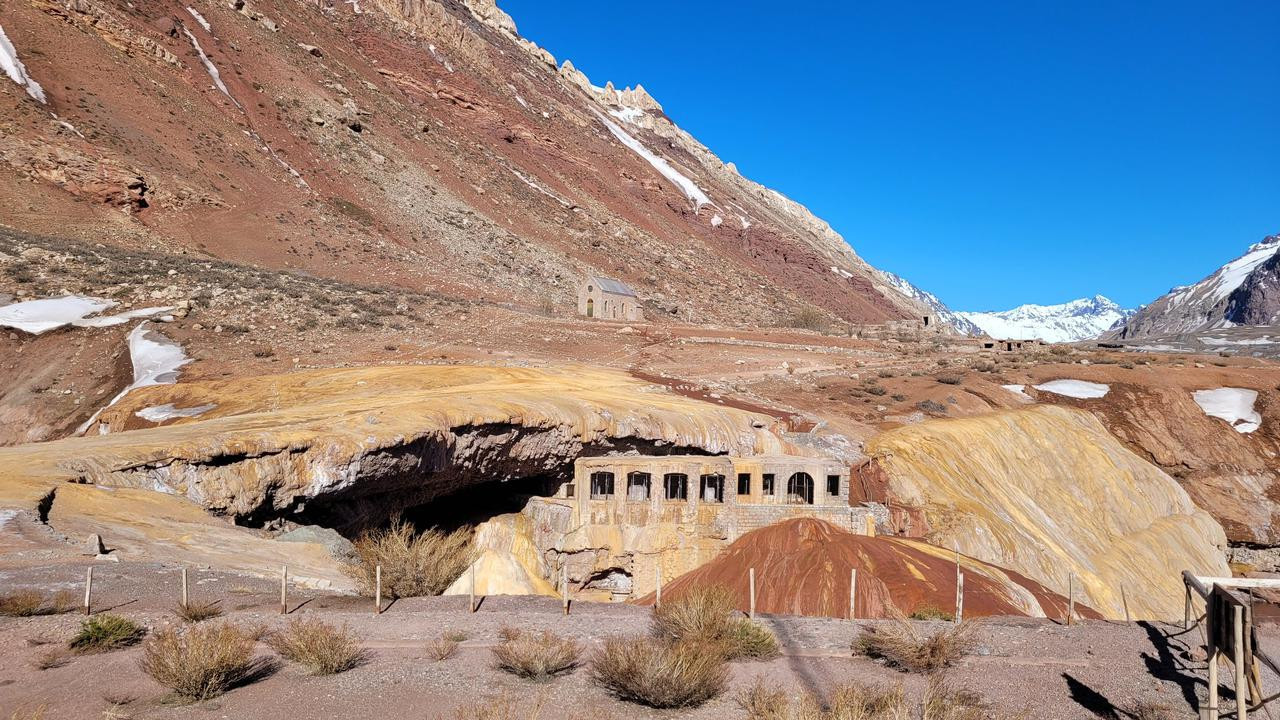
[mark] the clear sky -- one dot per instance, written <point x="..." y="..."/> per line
<point x="994" y="153"/>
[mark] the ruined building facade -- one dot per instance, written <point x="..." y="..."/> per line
<point x="608" y="299"/>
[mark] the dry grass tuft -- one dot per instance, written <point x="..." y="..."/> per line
<point x="30" y="603"/>
<point x="901" y="646"/>
<point x="658" y="673"/>
<point x="521" y="707"/>
<point x="413" y="564"/>
<point x="51" y="658"/>
<point x="203" y="661"/>
<point x="1155" y="711"/>
<point x="869" y="702"/>
<point x="707" y="616"/>
<point x="103" y="633"/>
<point x="193" y="613"/>
<point x="537" y="656"/>
<point x="323" y="648"/>
<point x="36" y="713"/>
<point x="445" y="646"/>
<point x="944" y="702"/>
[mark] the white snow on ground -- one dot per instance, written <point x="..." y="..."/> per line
<point x="124" y="317"/>
<point x="628" y="114"/>
<point x="440" y="58"/>
<point x="842" y="273"/>
<point x="209" y="66"/>
<point x="1075" y="388"/>
<point x="717" y="221"/>
<point x="687" y="186"/>
<point x="16" y="71"/>
<point x="38" y="316"/>
<point x="156" y="360"/>
<point x="1235" y="405"/>
<point x="1264" y="340"/>
<point x="160" y="413"/>
<point x="1017" y="390"/>
<point x="200" y="19"/>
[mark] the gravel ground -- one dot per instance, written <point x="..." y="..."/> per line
<point x="1048" y="671"/>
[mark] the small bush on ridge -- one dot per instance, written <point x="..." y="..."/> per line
<point x="322" y="648"/>
<point x="659" y="673"/>
<point x="537" y="656"/>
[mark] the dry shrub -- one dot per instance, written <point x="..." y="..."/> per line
<point x="901" y="646"/>
<point x="202" y="661"/>
<point x="51" y="658"/>
<point x="443" y="647"/>
<point x="1155" y="711"/>
<point x="521" y="707"/>
<point x="29" y="603"/>
<point x="942" y="701"/>
<point x="413" y="564"/>
<point x="706" y="615"/>
<point x="194" y="613"/>
<point x="931" y="612"/>
<point x="103" y="633"/>
<point x="36" y="713"/>
<point x="323" y="648"/>
<point x="868" y="702"/>
<point x="537" y="656"/>
<point x="659" y="673"/>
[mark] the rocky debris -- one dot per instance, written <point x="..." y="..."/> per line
<point x="93" y="545"/>
<point x="311" y="50"/>
<point x="340" y="547"/>
<point x="99" y="179"/>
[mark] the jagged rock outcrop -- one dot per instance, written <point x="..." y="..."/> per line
<point x="1047" y="491"/>
<point x="802" y="568"/>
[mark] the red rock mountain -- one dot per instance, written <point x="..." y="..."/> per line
<point x="414" y="144"/>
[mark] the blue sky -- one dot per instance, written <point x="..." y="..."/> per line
<point x="994" y="153"/>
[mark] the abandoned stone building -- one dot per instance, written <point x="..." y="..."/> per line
<point x="661" y="516"/>
<point x="1010" y="345"/>
<point x="608" y="299"/>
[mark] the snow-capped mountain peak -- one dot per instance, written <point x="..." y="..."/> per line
<point x="930" y="301"/>
<point x="1066" y="322"/>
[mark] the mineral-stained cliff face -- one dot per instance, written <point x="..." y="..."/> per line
<point x="1047" y="491"/>
<point x="802" y="568"/>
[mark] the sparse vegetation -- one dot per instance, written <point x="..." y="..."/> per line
<point x="660" y="673"/>
<point x="808" y="318"/>
<point x="932" y="406"/>
<point x="903" y="647"/>
<point x="103" y="633"/>
<point x="868" y="702"/>
<point x="951" y="379"/>
<point x="203" y="661"/>
<point x="51" y="658"/>
<point x="195" y="612"/>
<point x="931" y="612"/>
<point x="1155" y="711"/>
<point x="413" y="564"/>
<point x="707" y="616"/>
<point x="29" y="603"/>
<point x="322" y="648"/>
<point x="537" y="656"/>
<point x="445" y="646"/>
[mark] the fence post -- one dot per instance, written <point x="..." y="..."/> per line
<point x="377" y="590"/>
<point x="284" y="581"/>
<point x="959" y="598"/>
<point x="853" y="593"/>
<point x="657" y="598"/>
<point x="1186" y="608"/>
<point x="751" y="581"/>
<point x="88" y="590"/>
<point x="471" y="607"/>
<point x="1242" y="689"/>
<point x="1210" y="630"/>
<point x="1071" y="596"/>
<point x="1124" y="599"/>
<point x="184" y="586"/>
<point x="564" y="587"/>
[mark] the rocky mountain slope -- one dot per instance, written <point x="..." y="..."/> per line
<point x="1067" y="322"/>
<point x="411" y="144"/>
<point x="1244" y="292"/>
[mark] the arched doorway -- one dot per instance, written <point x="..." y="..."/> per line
<point x="591" y="307"/>
<point x="800" y="489"/>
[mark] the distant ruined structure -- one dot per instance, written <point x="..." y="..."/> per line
<point x="608" y="299"/>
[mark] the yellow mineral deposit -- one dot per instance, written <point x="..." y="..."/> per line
<point x="1046" y="491"/>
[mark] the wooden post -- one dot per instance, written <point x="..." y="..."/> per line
<point x="88" y="590"/>
<point x="657" y="598"/>
<point x="1071" y="596"/>
<point x="959" y="598"/>
<point x="1213" y="667"/>
<point x="471" y="606"/>
<point x="1124" y="599"/>
<point x="1242" y="689"/>
<point x="751" y="582"/>
<point x="377" y="590"/>
<point x="1186" y="608"/>
<point x="184" y="586"/>
<point x="564" y="587"/>
<point x="284" y="583"/>
<point x="853" y="593"/>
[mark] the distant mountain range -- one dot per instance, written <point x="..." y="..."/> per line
<point x="929" y="301"/>
<point x="1068" y="322"/>
<point x="1244" y="292"/>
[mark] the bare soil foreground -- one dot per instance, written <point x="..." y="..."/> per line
<point x="1033" y="668"/>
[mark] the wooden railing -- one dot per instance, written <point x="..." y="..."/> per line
<point x="1229" y="634"/>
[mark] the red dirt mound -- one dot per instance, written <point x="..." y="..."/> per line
<point x="802" y="568"/>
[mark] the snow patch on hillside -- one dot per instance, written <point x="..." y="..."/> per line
<point x="16" y="71"/>
<point x="687" y="186"/>
<point x="1227" y="278"/>
<point x="200" y="19"/>
<point x="1079" y="389"/>
<point x="160" y="413"/>
<point x="209" y="66"/>
<point x="1068" y="322"/>
<point x="1235" y="405"/>
<point x="156" y="360"/>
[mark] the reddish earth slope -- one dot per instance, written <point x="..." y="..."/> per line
<point x="802" y="568"/>
<point x="412" y="144"/>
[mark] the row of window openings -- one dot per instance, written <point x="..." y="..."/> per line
<point x="710" y="487"/>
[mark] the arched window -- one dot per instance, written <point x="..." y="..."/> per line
<point x="601" y="485"/>
<point x="591" y="307"/>
<point x="800" y="489"/>
<point x="676" y="486"/>
<point x="638" y="485"/>
<point x="711" y="488"/>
